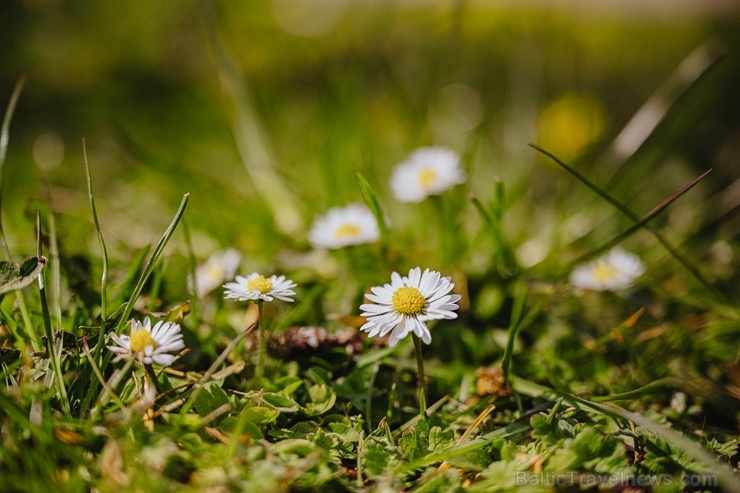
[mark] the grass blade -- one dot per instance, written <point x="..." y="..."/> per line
<point x="151" y="263"/>
<point x="4" y="140"/>
<point x="103" y="251"/>
<point x="639" y="224"/>
<point x="646" y="119"/>
<point x="493" y="226"/>
<point x="517" y="314"/>
<point x="250" y="138"/>
<point x="634" y="217"/>
<point x="54" y="355"/>
<point x="371" y="200"/>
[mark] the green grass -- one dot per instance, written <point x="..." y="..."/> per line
<point x="536" y="386"/>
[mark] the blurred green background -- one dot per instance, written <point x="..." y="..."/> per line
<point x="262" y="110"/>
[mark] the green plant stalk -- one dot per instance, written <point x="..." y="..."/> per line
<point x="104" y="252"/>
<point x="360" y="456"/>
<point x="4" y="140"/>
<point x="262" y="344"/>
<point x="421" y="377"/>
<point x="26" y="316"/>
<point x="153" y="378"/>
<point x="53" y="353"/>
<point x="520" y="304"/>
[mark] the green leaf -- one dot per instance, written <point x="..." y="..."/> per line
<point x="378" y="456"/>
<point x="260" y="415"/>
<point x="210" y="398"/>
<point x="280" y="402"/>
<point x="15" y="276"/>
<point x="563" y="460"/>
<point x="322" y="399"/>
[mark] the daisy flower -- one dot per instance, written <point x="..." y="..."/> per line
<point x="218" y="268"/>
<point x="616" y="270"/>
<point x="152" y="343"/>
<point x="256" y="287"/>
<point x="344" y="226"/>
<point x="427" y="171"/>
<point x="407" y="303"/>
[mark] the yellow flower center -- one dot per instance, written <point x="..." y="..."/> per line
<point x="347" y="230"/>
<point x="408" y="301"/>
<point x="141" y="338"/>
<point x="426" y="177"/>
<point x="260" y="284"/>
<point x="604" y="271"/>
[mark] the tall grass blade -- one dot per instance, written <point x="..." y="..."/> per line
<point x="638" y="225"/>
<point x="151" y="263"/>
<point x="653" y="111"/>
<point x="372" y="202"/>
<point x="103" y="251"/>
<point x="4" y="141"/>
<point x="492" y="223"/>
<point x="251" y="140"/>
<point x="517" y="314"/>
<point x="634" y="217"/>
<point x="54" y="353"/>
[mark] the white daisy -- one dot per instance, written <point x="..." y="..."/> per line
<point x="407" y="303"/>
<point x="427" y="171"/>
<point x="613" y="271"/>
<point x="150" y="343"/>
<point x="255" y="287"/>
<point x="219" y="267"/>
<point x="344" y="226"/>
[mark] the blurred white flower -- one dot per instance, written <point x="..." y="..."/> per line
<point x="427" y="171"/>
<point x="218" y="268"/>
<point x="613" y="271"/>
<point x="256" y="287"/>
<point x="344" y="226"/>
<point x="407" y="303"/>
<point x="149" y="343"/>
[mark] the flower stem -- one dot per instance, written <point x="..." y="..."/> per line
<point x="263" y="344"/>
<point x="421" y="376"/>
<point x="153" y="378"/>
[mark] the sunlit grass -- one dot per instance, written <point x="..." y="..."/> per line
<point x="532" y="376"/>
